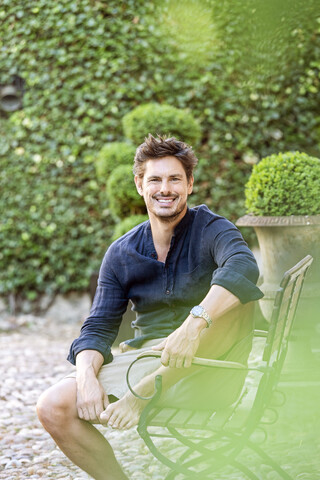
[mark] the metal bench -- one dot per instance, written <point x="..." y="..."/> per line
<point x="202" y="442"/>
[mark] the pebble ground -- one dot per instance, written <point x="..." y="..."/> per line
<point x="32" y="357"/>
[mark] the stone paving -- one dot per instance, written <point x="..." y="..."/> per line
<point x="32" y="358"/>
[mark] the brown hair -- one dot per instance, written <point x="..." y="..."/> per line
<point x="154" y="148"/>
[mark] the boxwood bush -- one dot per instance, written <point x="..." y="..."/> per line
<point x="111" y="156"/>
<point x="122" y="193"/>
<point x="163" y="120"/>
<point x="284" y="184"/>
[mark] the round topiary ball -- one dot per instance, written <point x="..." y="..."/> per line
<point x="284" y="184"/>
<point x="122" y="193"/>
<point x="160" y="119"/>
<point x="111" y="156"/>
<point x="127" y="224"/>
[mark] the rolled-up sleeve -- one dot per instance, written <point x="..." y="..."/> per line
<point x="101" y="327"/>
<point x="237" y="269"/>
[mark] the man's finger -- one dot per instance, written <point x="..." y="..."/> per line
<point x="179" y="362"/>
<point x="165" y="358"/>
<point x="187" y="362"/>
<point x="98" y="410"/>
<point x="160" y="346"/>
<point x="80" y="413"/>
<point x="172" y="362"/>
<point x="92" y="412"/>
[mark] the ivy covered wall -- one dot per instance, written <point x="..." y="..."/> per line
<point x="249" y="75"/>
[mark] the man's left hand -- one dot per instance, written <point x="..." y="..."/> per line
<point x="179" y="348"/>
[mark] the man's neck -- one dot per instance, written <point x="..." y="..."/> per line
<point x="162" y="232"/>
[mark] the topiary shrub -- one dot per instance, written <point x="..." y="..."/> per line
<point x="127" y="224"/>
<point x="111" y="156"/>
<point x="122" y="194"/>
<point x="284" y="184"/>
<point x="160" y="119"/>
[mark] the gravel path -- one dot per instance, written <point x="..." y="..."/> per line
<point x="33" y="358"/>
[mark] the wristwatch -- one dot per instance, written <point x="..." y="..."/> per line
<point x="199" y="311"/>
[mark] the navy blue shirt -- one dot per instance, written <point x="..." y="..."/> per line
<point x="205" y="249"/>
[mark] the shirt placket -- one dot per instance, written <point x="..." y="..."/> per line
<point x="168" y="270"/>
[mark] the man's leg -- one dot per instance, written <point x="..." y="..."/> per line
<point x="78" y="439"/>
<point x="125" y="413"/>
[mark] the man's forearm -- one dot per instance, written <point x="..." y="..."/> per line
<point x="88" y="362"/>
<point x="230" y="323"/>
<point x="226" y="327"/>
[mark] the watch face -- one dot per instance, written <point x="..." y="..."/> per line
<point x="197" y="310"/>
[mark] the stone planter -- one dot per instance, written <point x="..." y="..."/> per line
<point x="283" y="242"/>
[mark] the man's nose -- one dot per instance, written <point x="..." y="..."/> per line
<point x="165" y="187"/>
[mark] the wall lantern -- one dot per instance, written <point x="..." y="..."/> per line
<point x="11" y="95"/>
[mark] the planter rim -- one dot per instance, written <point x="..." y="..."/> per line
<point x="266" y="221"/>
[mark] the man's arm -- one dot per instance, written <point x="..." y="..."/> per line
<point x="91" y="397"/>
<point x="92" y="348"/>
<point x="178" y="350"/>
<point x="192" y="337"/>
<point x="110" y="303"/>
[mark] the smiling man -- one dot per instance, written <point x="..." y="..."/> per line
<point x="191" y="280"/>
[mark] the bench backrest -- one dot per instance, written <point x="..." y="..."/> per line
<point x="283" y="314"/>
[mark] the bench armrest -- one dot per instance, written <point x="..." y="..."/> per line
<point x="206" y="362"/>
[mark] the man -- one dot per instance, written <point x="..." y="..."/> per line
<point x="191" y="279"/>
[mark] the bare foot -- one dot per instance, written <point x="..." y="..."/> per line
<point x="124" y="413"/>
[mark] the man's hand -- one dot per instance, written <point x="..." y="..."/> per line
<point x="91" y="398"/>
<point x="179" y="348"/>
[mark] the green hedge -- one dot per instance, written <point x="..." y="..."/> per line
<point x="255" y="92"/>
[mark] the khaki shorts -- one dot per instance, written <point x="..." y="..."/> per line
<point x="112" y="376"/>
<point x="216" y="387"/>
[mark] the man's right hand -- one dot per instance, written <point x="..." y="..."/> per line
<point x="92" y="400"/>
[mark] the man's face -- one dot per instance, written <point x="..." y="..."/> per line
<point x="165" y="188"/>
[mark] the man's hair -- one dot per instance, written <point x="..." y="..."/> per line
<point x="154" y="148"/>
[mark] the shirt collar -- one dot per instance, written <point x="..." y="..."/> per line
<point x="183" y="224"/>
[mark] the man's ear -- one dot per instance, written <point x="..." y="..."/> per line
<point x="138" y="182"/>
<point x="190" y="184"/>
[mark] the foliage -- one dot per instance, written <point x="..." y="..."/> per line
<point x="122" y="193"/>
<point x="127" y="224"/>
<point x="111" y="156"/>
<point x="251" y="78"/>
<point x="45" y="242"/>
<point x="284" y="184"/>
<point x="160" y="119"/>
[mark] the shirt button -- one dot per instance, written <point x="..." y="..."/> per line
<point x="167" y="292"/>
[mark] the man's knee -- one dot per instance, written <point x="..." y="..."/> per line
<point x="57" y="405"/>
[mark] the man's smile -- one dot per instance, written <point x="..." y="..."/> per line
<point x="165" y="201"/>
